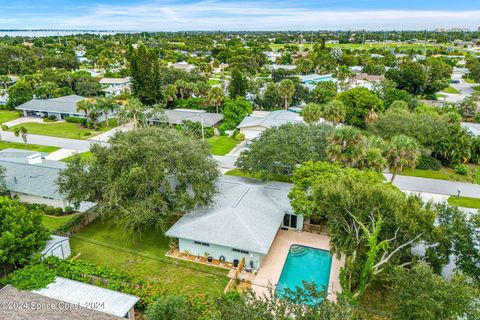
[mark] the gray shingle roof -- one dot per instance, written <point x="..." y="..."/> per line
<point x="273" y="119"/>
<point x="112" y="302"/>
<point x="177" y="116"/>
<point x="67" y="104"/>
<point x="26" y="301"/>
<point x="246" y="215"/>
<point x="32" y="179"/>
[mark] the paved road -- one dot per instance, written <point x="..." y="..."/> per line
<point x="435" y="186"/>
<point x="74" y="144"/>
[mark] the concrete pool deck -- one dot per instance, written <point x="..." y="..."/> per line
<point x="269" y="272"/>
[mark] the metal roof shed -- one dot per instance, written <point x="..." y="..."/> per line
<point x="90" y="296"/>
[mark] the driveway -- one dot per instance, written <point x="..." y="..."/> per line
<point x="25" y="120"/>
<point x="435" y="186"/>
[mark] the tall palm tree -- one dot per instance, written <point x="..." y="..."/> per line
<point x="347" y="145"/>
<point x="286" y="89"/>
<point x="84" y="106"/>
<point x="133" y="111"/>
<point x="106" y="106"/>
<point x="216" y="97"/>
<point x="171" y="93"/>
<point x="181" y="86"/>
<point x="403" y="152"/>
<point x="335" y="111"/>
<point x="21" y="131"/>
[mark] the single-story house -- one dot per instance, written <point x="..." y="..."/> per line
<point x="287" y="67"/>
<point x="89" y="296"/>
<point x="32" y="178"/>
<point x="253" y="125"/>
<point x="177" y="116"/>
<point x="59" y="107"/>
<point x="115" y="86"/>
<point x="241" y="223"/>
<point x="183" y="66"/>
<point x="57" y="246"/>
<point x="272" y="55"/>
<point x="39" y="307"/>
<point x="366" y="80"/>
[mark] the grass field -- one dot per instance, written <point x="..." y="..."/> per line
<point x="106" y="244"/>
<point x="54" y="222"/>
<point x="62" y="129"/>
<point x="465" y="202"/>
<point x="467" y="80"/>
<point x="84" y="155"/>
<point x="23" y="146"/>
<point x="443" y="174"/>
<point x="451" y="89"/>
<point x="6" y="116"/>
<point x="221" y="145"/>
<point x="477" y="88"/>
<point x="273" y="177"/>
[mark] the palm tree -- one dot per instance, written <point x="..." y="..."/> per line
<point x="5" y="80"/>
<point x="105" y="106"/>
<point x="373" y="160"/>
<point x="286" y="89"/>
<point x="312" y="113"/>
<point x="181" y="86"/>
<point x="403" y="152"/>
<point x="171" y="93"/>
<point x="84" y="106"/>
<point x="347" y="145"/>
<point x="335" y="111"/>
<point x="133" y="111"/>
<point x="216" y="97"/>
<point x="21" y="131"/>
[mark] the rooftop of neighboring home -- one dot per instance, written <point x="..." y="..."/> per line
<point x="245" y="214"/>
<point x="30" y="300"/>
<point x="268" y="119"/>
<point x="368" y="77"/>
<point x="109" y="301"/>
<point x="473" y="128"/>
<point x="183" y="66"/>
<point x="282" y="67"/>
<point x="115" y="81"/>
<point x="28" y="172"/>
<point x="177" y="116"/>
<point x="66" y="104"/>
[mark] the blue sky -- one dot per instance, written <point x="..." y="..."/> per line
<point x="171" y="15"/>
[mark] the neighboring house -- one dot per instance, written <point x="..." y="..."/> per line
<point x="59" y="107"/>
<point x="366" y="80"/>
<point x="86" y="295"/>
<point x="473" y="128"/>
<point x="10" y="295"/>
<point x="183" y="66"/>
<point x="287" y="67"/>
<point x="177" y="116"/>
<point x="32" y="178"/>
<point x="253" y="125"/>
<point x="272" y="55"/>
<point x="57" y="246"/>
<point x="241" y="223"/>
<point x="115" y="86"/>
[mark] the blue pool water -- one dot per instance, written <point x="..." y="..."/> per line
<point x="320" y="79"/>
<point x="305" y="264"/>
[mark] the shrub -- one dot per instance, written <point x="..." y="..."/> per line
<point x="81" y="121"/>
<point x="477" y="176"/>
<point x="49" y="210"/>
<point x="88" y="133"/>
<point x="461" y="169"/>
<point x="52" y="117"/>
<point x="30" y="277"/>
<point x="58" y="211"/>
<point x="428" y="163"/>
<point x="170" y="308"/>
<point x="239" y="136"/>
<point x="69" y="209"/>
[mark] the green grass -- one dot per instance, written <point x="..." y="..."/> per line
<point x="465" y="202"/>
<point x="63" y="129"/>
<point x="471" y="81"/>
<point x="272" y="177"/>
<point x="451" y="90"/>
<point x="221" y="145"/>
<point x="23" y="146"/>
<point x="6" y="116"/>
<point x="105" y="243"/>
<point x="477" y="88"/>
<point x="213" y="82"/>
<point x="54" y="222"/>
<point x="84" y="156"/>
<point x="443" y="174"/>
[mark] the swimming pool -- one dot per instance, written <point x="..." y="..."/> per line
<point x="305" y="264"/>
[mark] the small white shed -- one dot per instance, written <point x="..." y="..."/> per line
<point x="57" y="246"/>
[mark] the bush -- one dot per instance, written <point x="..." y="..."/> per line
<point x="239" y="136"/>
<point x="88" y="133"/>
<point x="81" y="121"/>
<point x="429" y="163"/>
<point x="477" y="176"/>
<point x="170" y="308"/>
<point x="58" y="211"/>
<point x="69" y="209"/>
<point x="461" y="169"/>
<point x="30" y="277"/>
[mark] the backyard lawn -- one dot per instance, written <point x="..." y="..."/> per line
<point x="465" y="202"/>
<point x="443" y="174"/>
<point x="23" y="146"/>
<point x="84" y="156"/>
<point x="6" y="116"/>
<point x="62" y="129"/>
<point x="105" y="243"/>
<point x="221" y="145"/>
<point x="451" y="89"/>
<point x="54" y="222"/>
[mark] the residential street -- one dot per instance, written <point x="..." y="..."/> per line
<point x="74" y="144"/>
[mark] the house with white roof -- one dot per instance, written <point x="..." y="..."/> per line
<point x="115" y="86"/>
<point x="253" y="125"/>
<point x="183" y="66"/>
<point x="178" y="116"/>
<point x="88" y="296"/>
<point x="241" y="223"/>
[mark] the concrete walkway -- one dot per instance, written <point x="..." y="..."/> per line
<point x="271" y="269"/>
<point x="435" y="186"/>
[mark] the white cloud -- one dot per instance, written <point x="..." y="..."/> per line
<point x="217" y="15"/>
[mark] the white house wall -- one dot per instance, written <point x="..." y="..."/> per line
<point x="39" y="200"/>
<point x="215" y="251"/>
